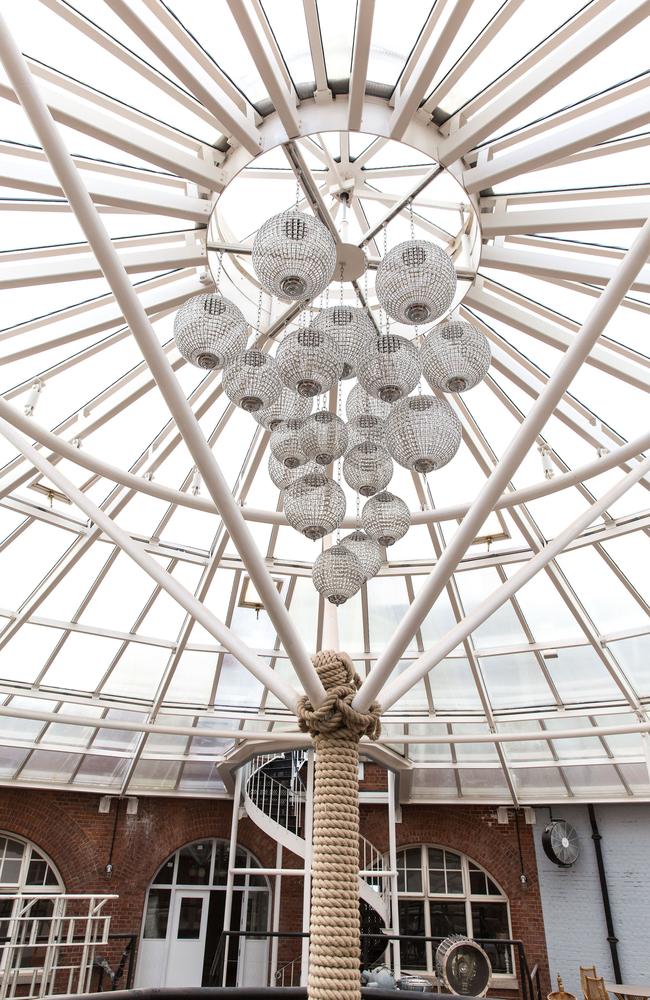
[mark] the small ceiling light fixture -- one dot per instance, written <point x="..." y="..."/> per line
<point x="308" y="362"/>
<point x="390" y="369"/>
<point x="314" y="505"/>
<point x="337" y="574"/>
<point x="369" y="553"/>
<point x="324" y="437"/>
<point x="293" y="256"/>
<point x="249" y="596"/>
<point x="423" y="433"/>
<point x="288" y="406"/>
<point x="351" y="331"/>
<point x="286" y="446"/>
<point x="210" y="331"/>
<point x="367" y="468"/>
<point x="282" y="477"/>
<point x="455" y="356"/>
<point x="251" y="381"/>
<point x="416" y="282"/>
<point x="385" y="518"/>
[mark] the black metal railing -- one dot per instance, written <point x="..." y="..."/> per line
<point x="529" y="981"/>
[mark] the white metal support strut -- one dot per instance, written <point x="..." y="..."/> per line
<point x="125" y="296"/>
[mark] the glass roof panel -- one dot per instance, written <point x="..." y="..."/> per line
<point x="85" y="629"/>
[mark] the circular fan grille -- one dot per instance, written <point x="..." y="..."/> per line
<point x="462" y="967"/>
<point x="560" y="843"/>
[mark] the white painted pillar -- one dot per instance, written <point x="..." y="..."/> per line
<point x="392" y="863"/>
<point x="275" y="925"/>
<point x="232" y="862"/>
<point x="306" y="890"/>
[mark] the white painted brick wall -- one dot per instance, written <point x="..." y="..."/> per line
<point x="571" y="900"/>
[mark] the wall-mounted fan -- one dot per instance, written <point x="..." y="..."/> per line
<point x="462" y="967"/>
<point x="560" y="843"/>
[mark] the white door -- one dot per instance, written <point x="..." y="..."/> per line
<point x="253" y="958"/>
<point x="189" y="921"/>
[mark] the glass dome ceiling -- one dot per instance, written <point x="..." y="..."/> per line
<point x="519" y="133"/>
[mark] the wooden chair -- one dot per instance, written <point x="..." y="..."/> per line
<point x="560" y="993"/>
<point x="595" y="988"/>
<point x="586" y="970"/>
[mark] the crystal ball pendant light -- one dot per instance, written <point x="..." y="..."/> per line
<point x="210" y="331"/>
<point x="324" y="437"/>
<point x="416" y="282"/>
<point x="351" y="330"/>
<point x="360" y="403"/>
<point x="390" y="369"/>
<point x="285" y="444"/>
<point x="455" y="356"/>
<point x="423" y="433"/>
<point x="337" y="574"/>
<point x="314" y="505"/>
<point x="252" y="381"/>
<point x="369" y="553"/>
<point x="282" y="477"/>
<point x="385" y="518"/>
<point x="288" y="406"/>
<point x="366" y="428"/>
<point x="367" y="468"/>
<point x="293" y="256"/>
<point x="308" y="362"/>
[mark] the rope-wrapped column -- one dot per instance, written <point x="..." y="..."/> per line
<point x="336" y="728"/>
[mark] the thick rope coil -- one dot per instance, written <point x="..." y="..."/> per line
<point x="336" y="727"/>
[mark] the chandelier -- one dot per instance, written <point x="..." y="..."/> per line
<point x="294" y="256"/>
<point x="337" y="574"/>
<point x="314" y="505"/>
<point x="252" y="381"/>
<point x="308" y="362"/>
<point x="385" y="518"/>
<point x="324" y="437"/>
<point x="367" y="468"/>
<point x="390" y="369"/>
<point x="369" y="553"/>
<point x="455" y="356"/>
<point x="416" y="282"/>
<point x="423" y="433"/>
<point x="351" y="331"/>
<point x="210" y="331"/>
<point x="288" y="406"/>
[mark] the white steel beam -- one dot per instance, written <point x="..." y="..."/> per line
<point x="29" y="175"/>
<point x="503" y="222"/>
<point x="564" y="60"/>
<point x="616" y="457"/>
<point x="557" y="265"/>
<point x="554" y="334"/>
<point x="147" y="146"/>
<point x="285" y="692"/>
<point x="171" y="391"/>
<point x="268" y="60"/>
<point x="415" y="89"/>
<point x="560" y="143"/>
<point x="42" y="272"/>
<point x="512" y="457"/>
<point x="232" y="121"/>
<point x="316" y="49"/>
<point x="360" y="55"/>
<point x="416" y="671"/>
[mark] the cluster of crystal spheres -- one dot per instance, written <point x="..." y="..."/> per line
<point x="294" y="258"/>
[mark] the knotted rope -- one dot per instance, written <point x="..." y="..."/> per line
<point x="336" y="728"/>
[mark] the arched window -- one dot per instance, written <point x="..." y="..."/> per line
<point x="442" y="892"/>
<point x="25" y="875"/>
<point x="185" y="911"/>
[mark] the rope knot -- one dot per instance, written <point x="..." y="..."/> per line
<point x="341" y="682"/>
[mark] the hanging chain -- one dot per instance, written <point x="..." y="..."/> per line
<point x="412" y="224"/>
<point x="259" y="313"/>
<point x="297" y="196"/>
<point x="219" y="267"/>
<point x="358" y="510"/>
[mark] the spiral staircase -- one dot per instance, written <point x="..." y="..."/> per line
<point x="274" y="799"/>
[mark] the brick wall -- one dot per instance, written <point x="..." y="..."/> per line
<point x="69" y="828"/>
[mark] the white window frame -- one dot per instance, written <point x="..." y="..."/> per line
<point x="502" y="979"/>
